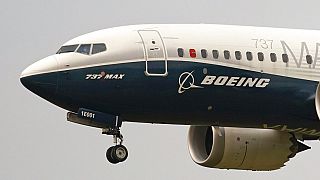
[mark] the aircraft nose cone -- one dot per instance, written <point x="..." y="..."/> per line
<point x="41" y="78"/>
<point x="45" y="65"/>
<point x="44" y="85"/>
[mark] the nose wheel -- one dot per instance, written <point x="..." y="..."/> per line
<point x="117" y="153"/>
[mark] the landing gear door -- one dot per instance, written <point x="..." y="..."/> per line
<point x="154" y="53"/>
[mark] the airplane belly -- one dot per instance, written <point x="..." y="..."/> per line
<point x="192" y="93"/>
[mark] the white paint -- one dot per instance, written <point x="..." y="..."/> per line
<point x="125" y="45"/>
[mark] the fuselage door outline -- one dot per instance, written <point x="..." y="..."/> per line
<point x="154" y="51"/>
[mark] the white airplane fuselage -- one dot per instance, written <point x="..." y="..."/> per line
<point x="208" y="75"/>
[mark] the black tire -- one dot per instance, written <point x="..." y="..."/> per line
<point x="119" y="153"/>
<point x="109" y="157"/>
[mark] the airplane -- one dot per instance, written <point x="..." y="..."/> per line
<point x="249" y="94"/>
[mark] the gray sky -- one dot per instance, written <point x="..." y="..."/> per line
<point x="36" y="141"/>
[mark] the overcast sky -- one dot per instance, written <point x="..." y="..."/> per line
<point x="36" y="141"/>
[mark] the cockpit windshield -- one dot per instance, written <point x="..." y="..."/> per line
<point x="87" y="49"/>
<point x="97" y="48"/>
<point x="67" y="49"/>
<point x="84" y="49"/>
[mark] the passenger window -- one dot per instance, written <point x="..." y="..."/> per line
<point x="309" y="59"/>
<point x="84" y="49"/>
<point x="204" y="53"/>
<point x="260" y="56"/>
<point x="192" y="53"/>
<point x="285" y="58"/>
<point x="180" y="52"/>
<point x="238" y="55"/>
<point x="249" y="56"/>
<point x="215" y="54"/>
<point x="226" y="54"/>
<point x="67" y="49"/>
<point x="97" y="48"/>
<point x="273" y="57"/>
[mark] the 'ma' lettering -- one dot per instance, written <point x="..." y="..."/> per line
<point x="108" y="76"/>
<point x="114" y="76"/>
<point x="304" y="50"/>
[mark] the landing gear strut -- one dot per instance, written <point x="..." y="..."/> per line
<point x="118" y="152"/>
<point x="110" y="125"/>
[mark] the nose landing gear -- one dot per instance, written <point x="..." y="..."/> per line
<point x="118" y="153"/>
<point x="110" y="125"/>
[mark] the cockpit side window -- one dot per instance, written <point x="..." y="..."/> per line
<point x="84" y="49"/>
<point x="68" y="49"/>
<point x="97" y="48"/>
